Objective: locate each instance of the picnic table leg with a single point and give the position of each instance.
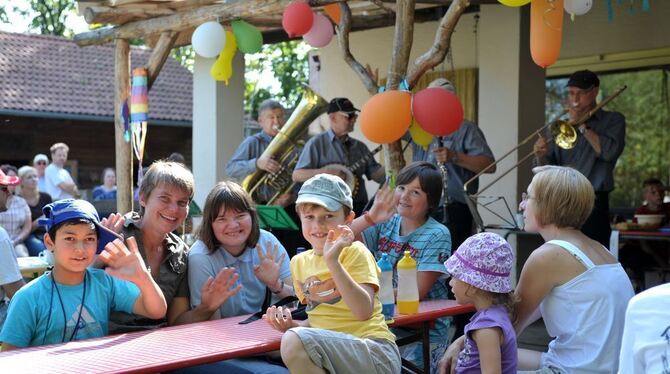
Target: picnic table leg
(425, 333)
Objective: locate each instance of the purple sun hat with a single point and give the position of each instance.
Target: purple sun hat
(485, 261)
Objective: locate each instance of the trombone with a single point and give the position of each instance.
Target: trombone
(564, 134)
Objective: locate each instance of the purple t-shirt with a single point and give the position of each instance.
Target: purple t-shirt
(495, 316)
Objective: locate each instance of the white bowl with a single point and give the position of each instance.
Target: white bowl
(649, 219)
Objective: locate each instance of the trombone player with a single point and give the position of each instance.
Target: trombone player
(599, 144)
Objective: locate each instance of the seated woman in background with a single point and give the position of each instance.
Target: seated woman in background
(107, 190)
(417, 195)
(230, 240)
(571, 281)
(14, 213)
(36, 200)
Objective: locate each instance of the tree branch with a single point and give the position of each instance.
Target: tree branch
(343, 30)
(437, 52)
(159, 55)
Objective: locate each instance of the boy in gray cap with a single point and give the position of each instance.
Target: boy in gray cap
(345, 331)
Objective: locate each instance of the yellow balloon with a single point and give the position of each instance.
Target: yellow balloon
(222, 69)
(514, 2)
(419, 135)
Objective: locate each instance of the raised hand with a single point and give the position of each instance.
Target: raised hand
(279, 318)
(124, 262)
(114, 222)
(384, 206)
(216, 291)
(336, 241)
(267, 271)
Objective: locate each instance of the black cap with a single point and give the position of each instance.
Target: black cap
(584, 79)
(341, 104)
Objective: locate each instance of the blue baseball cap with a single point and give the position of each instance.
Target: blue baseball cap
(70, 209)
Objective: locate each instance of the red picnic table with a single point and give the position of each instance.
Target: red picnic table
(176, 347)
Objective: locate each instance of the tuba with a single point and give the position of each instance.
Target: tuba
(282, 148)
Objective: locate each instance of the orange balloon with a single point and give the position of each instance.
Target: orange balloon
(333, 11)
(546, 27)
(386, 116)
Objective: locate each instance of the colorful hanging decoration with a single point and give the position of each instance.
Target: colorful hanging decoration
(297, 19)
(139, 115)
(249, 38)
(222, 69)
(125, 118)
(546, 29)
(321, 32)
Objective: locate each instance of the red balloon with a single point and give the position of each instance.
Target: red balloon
(298, 19)
(386, 116)
(437, 111)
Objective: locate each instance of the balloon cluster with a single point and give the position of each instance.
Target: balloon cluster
(315, 28)
(546, 25)
(210, 40)
(387, 116)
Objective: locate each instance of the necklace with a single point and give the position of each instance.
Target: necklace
(62, 306)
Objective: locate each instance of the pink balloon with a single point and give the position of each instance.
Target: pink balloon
(321, 32)
(437, 111)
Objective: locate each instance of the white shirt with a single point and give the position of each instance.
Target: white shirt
(9, 268)
(646, 334)
(586, 317)
(54, 176)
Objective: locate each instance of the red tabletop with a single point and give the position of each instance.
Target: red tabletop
(431, 310)
(148, 351)
(175, 347)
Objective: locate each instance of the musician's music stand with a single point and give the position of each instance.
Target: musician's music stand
(275, 217)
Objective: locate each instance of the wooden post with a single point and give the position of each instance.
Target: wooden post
(124, 166)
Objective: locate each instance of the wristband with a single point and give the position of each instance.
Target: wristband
(281, 287)
(454, 158)
(368, 219)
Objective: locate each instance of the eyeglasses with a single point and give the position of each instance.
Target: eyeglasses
(349, 116)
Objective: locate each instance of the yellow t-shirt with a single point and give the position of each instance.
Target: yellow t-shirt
(326, 309)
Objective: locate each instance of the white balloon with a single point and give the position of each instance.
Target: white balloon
(577, 7)
(209, 39)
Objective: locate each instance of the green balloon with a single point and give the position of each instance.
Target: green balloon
(249, 39)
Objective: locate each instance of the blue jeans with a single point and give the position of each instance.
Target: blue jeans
(251, 365)
(34, 244)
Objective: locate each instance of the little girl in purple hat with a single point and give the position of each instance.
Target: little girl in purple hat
(480, 275)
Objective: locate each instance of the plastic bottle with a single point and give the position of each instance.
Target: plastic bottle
(408, 290)
(386, 296)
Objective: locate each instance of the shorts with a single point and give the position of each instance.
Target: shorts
(337, 352)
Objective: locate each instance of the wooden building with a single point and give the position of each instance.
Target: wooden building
(52, 90)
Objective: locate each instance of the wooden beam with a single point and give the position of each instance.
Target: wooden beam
(358, 23)
(160, 53)
(180, 21)
(119, 16)
(124, 166)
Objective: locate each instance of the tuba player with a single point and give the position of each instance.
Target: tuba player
(247, 158)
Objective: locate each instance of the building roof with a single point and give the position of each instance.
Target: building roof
(54, 76)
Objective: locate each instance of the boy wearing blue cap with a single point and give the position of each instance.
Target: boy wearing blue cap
(73, 302)
(338, 280)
